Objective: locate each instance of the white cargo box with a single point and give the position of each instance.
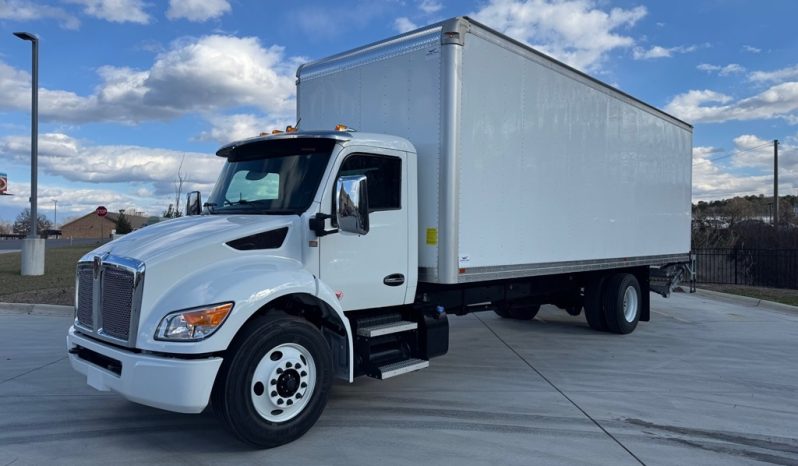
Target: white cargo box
(526, 166)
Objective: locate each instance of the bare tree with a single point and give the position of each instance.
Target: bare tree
(22, 223)
(174, 209)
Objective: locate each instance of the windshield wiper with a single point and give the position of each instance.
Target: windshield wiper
(239, 202)
(281, 212)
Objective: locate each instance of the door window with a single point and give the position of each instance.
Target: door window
(384, 178)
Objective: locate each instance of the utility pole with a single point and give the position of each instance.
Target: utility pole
(55, 214)
(776, 183)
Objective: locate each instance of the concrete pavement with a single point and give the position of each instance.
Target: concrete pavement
(706, 382)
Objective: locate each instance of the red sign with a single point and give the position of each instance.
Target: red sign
(102, 211)
(3, 183)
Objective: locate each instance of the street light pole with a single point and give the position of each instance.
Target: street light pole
(55, 214)
(33, 248)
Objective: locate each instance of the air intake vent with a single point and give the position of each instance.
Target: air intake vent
(266, 240)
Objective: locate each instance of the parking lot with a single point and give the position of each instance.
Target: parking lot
(707, 381)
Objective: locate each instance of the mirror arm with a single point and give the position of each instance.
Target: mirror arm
(316, 224)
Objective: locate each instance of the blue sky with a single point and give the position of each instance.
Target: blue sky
(130, 88)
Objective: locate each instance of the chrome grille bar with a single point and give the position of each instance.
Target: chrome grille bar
(108, 298)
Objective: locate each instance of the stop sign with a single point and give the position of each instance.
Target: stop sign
(102, 211)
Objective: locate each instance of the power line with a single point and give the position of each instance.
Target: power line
(734, 153)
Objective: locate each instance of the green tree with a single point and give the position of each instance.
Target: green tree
(123, 224)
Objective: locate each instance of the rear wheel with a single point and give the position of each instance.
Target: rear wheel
(622, 303)
(274, 381)
(594, 305)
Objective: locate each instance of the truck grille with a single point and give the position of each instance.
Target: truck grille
(85, 300)
(117, 302)
(108, 300)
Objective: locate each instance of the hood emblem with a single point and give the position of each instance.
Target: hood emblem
(97, 265)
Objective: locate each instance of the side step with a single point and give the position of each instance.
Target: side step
(399, 368)
(386, 329)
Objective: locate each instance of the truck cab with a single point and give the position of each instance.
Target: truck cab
(300, 229)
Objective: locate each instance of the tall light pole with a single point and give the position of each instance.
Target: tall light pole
(55, 214)
(33, 248)
(776, 183)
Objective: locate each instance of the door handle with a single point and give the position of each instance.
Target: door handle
(394, 279)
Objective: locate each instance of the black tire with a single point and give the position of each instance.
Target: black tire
(594, 305)
(517, 311)
(622, 318)
(573, 310)
(525, 312)
(232, 396)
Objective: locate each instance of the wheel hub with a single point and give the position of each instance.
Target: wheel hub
(288, 383)
(283, 382)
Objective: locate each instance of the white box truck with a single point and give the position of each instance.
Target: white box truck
(483, 175)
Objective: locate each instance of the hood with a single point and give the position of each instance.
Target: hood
(185, 234)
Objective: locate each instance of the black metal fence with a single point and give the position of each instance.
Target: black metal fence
(775, 268)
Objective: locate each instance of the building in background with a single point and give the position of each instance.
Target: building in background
(93, 226)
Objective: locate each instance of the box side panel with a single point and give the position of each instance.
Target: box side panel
(396, 90)
(553, 170)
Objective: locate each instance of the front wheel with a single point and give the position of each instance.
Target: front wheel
(274, 381)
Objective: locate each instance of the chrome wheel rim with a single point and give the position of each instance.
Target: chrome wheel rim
(630, 304)
(283, 382)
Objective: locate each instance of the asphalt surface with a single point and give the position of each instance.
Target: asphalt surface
(708, 381)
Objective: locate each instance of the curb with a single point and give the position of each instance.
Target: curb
(36, 309)
(753, 302)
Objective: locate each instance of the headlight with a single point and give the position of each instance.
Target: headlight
(193, 324)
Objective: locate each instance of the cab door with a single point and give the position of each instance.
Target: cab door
(369, 270)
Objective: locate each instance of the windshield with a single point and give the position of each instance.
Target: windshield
(270, 177)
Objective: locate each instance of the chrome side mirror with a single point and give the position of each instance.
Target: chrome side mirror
(351, 195)
(193, 203)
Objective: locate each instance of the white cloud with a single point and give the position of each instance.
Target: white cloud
(197, 10)
(116, 11)
(784, 74)
(751, 49)
(727, 70)
(706, 106)
(25, 10)
(745, 170)
(404, 24)
(577, 32)
(230, 128)
(195, 75)
(753, 151)
(62, 155)
(639, 53)
(430, 6)
(75, 202)
(711, 181)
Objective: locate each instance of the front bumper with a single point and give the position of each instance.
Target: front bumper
(173, 384)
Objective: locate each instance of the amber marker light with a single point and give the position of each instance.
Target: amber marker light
(193, 324)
